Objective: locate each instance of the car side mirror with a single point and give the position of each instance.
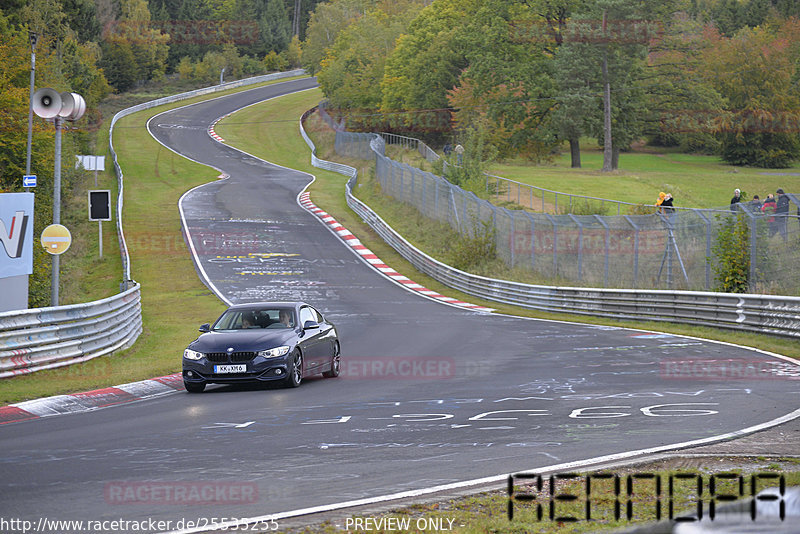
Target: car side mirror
(310, 325)
(205, 328)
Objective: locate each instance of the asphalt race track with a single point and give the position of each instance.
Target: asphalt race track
(433, 395)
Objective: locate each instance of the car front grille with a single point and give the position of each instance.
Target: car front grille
(235, 357)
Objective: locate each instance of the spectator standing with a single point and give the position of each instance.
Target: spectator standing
(667, 204)
(737, 197)
(755, 204)
(667, 208)
(661, 196)
(781, 212)
(768, 209)
(459, 150)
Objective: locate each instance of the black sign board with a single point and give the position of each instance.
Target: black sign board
(100, 205)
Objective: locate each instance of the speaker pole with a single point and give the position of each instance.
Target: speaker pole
(34, 37)
(56, 211)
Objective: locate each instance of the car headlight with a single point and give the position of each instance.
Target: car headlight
(274, 353)
(190, 354)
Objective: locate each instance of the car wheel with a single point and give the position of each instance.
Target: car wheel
(336, 363)
(295, 375)
(194, 387)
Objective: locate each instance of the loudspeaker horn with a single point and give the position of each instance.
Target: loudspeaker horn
(46, 103)
(73, 106)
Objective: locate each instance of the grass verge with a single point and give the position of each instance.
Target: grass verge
(488, 511)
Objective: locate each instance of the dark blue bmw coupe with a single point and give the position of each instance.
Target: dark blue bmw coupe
(262, 342)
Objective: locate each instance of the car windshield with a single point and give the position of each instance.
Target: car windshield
(241, 319)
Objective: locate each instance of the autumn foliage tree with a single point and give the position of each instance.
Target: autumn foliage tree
(756, 71)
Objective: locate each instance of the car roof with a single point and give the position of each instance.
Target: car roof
(276, 304)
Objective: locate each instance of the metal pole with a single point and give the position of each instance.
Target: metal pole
(708, 247)
(580, 245)
(100, 236)
(56, 212)
(33, 37)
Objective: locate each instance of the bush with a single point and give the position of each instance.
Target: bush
(274, 62)
(731, 255)
(470, 252)
(767, 150)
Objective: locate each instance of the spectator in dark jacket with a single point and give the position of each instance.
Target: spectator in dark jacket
(666, 205)
(755, 204)
(781, 212)
(737, 197)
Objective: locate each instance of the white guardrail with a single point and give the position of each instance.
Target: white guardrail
(765, 314)
(46, 338)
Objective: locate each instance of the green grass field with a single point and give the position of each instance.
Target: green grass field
(695, 181)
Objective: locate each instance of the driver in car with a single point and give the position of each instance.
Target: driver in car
(285, 317)
(248, 320)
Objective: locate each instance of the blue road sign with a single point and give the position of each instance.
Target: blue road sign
(29, 180)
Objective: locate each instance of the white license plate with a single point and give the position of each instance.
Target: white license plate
(219, 369)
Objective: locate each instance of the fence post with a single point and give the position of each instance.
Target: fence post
(513, 241)
(533, 241)
(411, 194)
(580, 246)
(635, 251)
(555, 243)
(708, 247)
(436, 198)
(402, 181)
(753, 250)
(605, 277)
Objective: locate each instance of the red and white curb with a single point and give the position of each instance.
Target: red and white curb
(378, 264)
(91, 400)
(211, 130)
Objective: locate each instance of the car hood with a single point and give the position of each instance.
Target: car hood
(242, 340)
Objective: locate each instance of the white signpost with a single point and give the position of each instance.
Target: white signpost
(91, 163)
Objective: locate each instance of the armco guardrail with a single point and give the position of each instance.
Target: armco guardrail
(45, 338)
(764, 314)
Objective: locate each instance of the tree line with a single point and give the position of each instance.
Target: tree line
(710, 76)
